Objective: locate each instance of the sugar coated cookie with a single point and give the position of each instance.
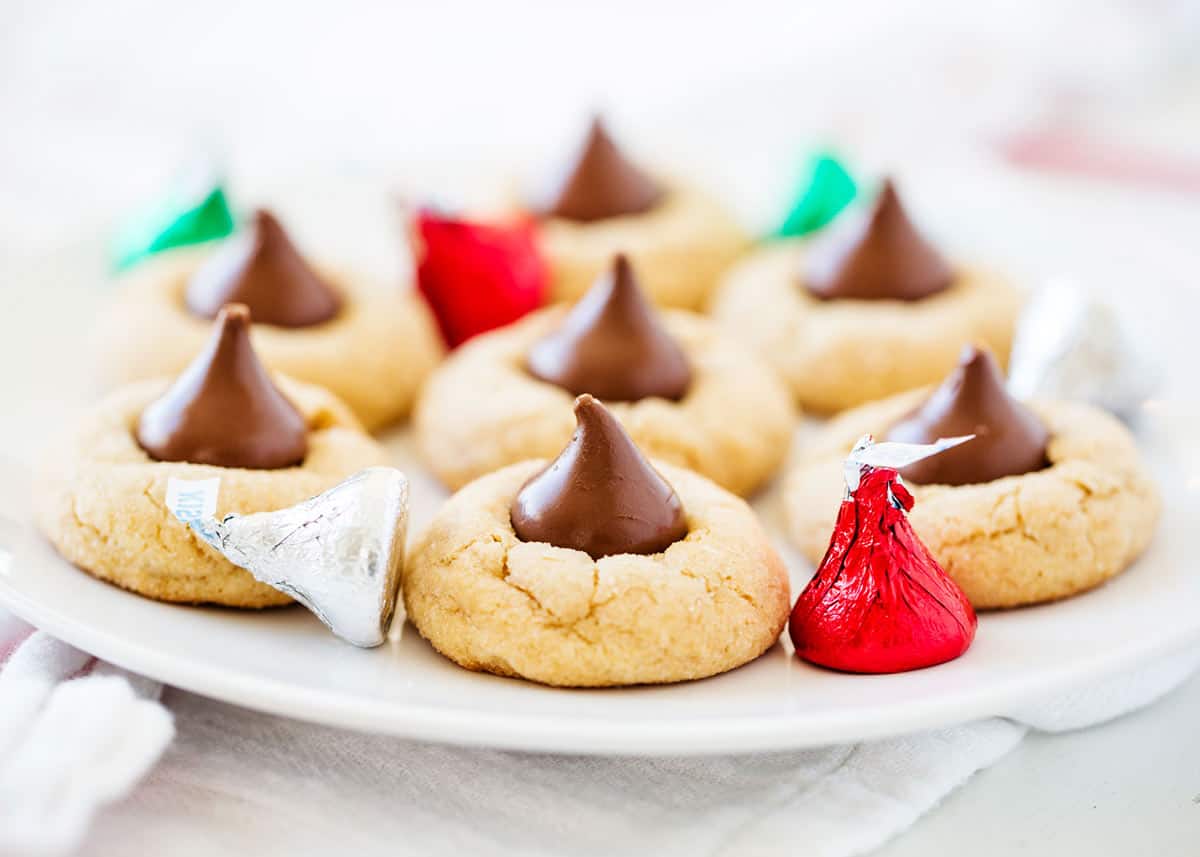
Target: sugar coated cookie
(100, 495)
(686, 586)
(864, 312)
(681, 238)
(685, 393)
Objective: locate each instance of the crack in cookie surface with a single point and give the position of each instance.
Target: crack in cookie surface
(559, 617)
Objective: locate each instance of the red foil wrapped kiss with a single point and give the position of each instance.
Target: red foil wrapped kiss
(880, 602)
(477, 276)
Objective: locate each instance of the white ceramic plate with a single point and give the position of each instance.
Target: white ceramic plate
(285, 662)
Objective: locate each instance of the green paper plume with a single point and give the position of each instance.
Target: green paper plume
(184, 219)
(827, 189)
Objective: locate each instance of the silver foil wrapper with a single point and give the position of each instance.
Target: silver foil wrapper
(340, 554)
(1072, 345)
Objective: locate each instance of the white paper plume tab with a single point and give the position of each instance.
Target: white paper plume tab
(868, 453)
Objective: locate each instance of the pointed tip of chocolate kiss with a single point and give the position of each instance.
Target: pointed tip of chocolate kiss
(600, 496)
(224, 409)
(233, 317)
(622, 290)
(887, 199)
(883, 257)
(622, 274)
(262, 268)
(590, 414)
(612, 345)
(601, 182)
(1009, 438)
(266, 226)
(974, 359)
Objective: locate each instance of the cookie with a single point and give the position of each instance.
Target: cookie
(100, 499)
(483, 410)
(681, 246)
(492, 602)
(836, 354)
(1016, 540)
(373, 354)
(600, 202)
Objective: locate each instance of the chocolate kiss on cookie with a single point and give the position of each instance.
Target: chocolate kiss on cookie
(600, 495)
(612, 346)
(224, 410)
(1009, 438)
(883, 257)
(262, 269)
(601, 183)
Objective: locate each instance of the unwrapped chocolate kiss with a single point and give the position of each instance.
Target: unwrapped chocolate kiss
(878, 256)
(600, 496)
(224, 409)
(1010, 439)
(612, 345)
(601, 183)
(262, 269)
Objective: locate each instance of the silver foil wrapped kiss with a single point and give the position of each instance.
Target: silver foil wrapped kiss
(340, 554)
(1072, 345)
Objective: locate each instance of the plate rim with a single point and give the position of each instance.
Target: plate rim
(583, 735)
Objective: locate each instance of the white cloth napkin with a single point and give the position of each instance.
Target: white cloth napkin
(76, 735)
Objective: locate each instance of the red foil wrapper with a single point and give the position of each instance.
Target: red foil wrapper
(879, 602)
(477, 276)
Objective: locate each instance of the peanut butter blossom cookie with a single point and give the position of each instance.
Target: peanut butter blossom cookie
(686, 394)
(372, 344)
(868, 309)
(597, 569)
(101, 493)
(1049, 499)
(602, 203)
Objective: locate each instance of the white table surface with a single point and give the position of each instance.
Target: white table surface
(86, 133)
(1131, 787)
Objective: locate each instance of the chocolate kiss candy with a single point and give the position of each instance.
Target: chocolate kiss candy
(601, 183)
(612, 346)
(224, 410)
(882, 257)
(600, 495)
(1009, 439)
(1073, 345)
(262, 269)
(879, 602)
(339, 553)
